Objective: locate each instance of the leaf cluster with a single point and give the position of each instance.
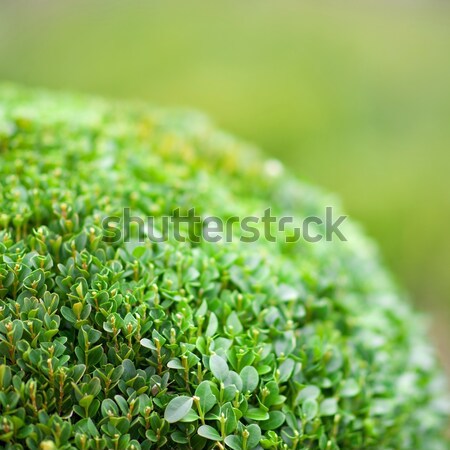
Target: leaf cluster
(144, 345)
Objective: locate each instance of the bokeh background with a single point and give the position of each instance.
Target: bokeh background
(353, 96)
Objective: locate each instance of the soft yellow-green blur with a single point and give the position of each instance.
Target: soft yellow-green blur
(352, 96)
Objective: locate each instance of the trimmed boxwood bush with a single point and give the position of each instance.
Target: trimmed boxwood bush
(138, 344)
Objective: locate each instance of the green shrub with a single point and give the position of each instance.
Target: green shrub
(187, 345)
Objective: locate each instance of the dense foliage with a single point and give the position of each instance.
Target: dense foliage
(194, 345)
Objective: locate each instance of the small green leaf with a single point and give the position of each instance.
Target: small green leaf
(308, 392)
(275, 420)
(328, 407)
(179, 437)
(256, 414)
(310, 409)
(191, 416)
(286, 368)
(5, 376)
(349, 388)
(230, 417)
(123, 405)
(68, 314)
(213, 324)
(86, 401)
(18, 331)
(175, 364)
(207, 398)
(147, 343)
(254, 436)
(234, 325)
(234, 442)
(95, 355)
(219, 367)
(109, 408)
(203, 309)
(209, 432)
(250, 379)
(178, 408)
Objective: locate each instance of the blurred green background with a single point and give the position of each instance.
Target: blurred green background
(354, 97)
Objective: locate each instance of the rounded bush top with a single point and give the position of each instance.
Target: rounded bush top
(116, 336)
